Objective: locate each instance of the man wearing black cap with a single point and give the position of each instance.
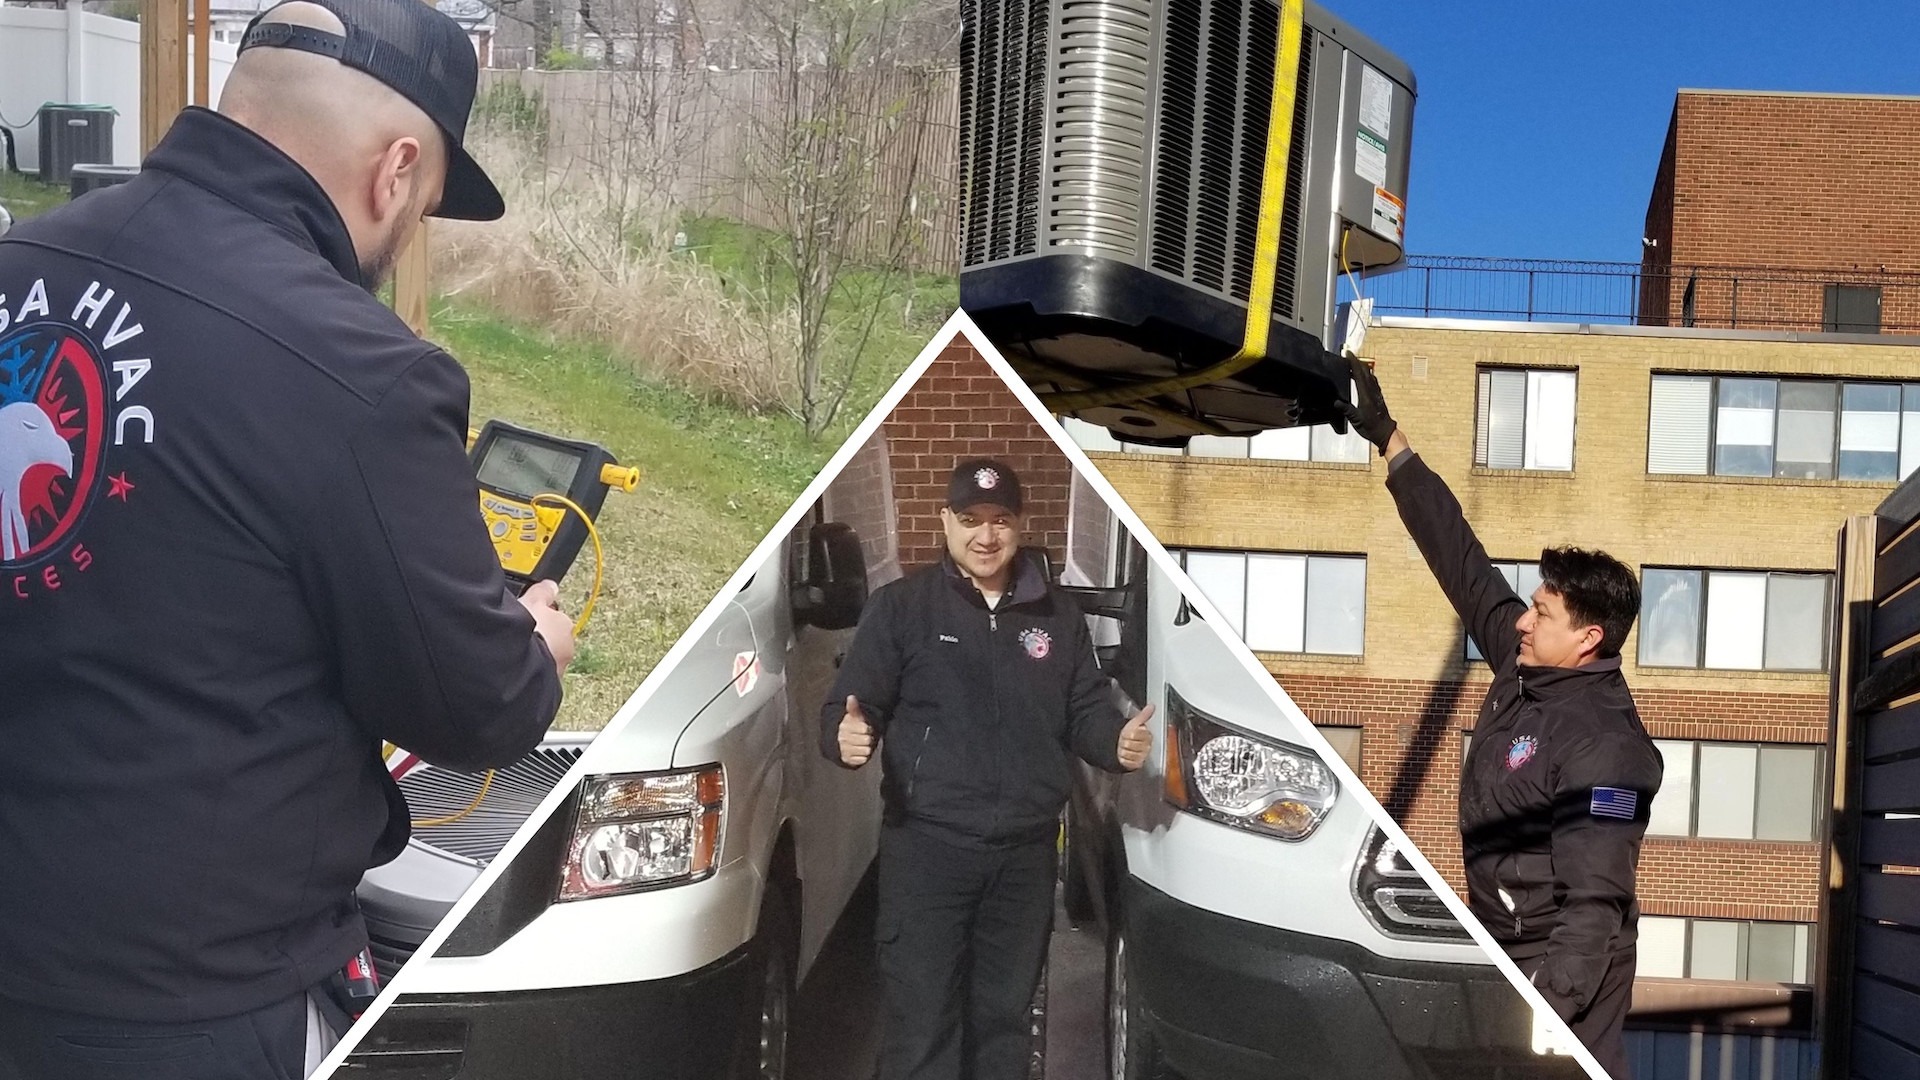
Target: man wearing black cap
(240, 545)
(976, 678)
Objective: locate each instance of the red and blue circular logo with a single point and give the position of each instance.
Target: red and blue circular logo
(1037, 643)
(1521, 751)
(53, 428)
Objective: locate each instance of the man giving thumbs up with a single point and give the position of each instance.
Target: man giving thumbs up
(976, 681)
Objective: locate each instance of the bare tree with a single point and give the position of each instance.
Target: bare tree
(843, 113)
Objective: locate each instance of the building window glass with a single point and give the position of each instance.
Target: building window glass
(1803, 429)
(1283, 602)
(1733, 619)
(1740, 951)
(1346, 742)
(1317, 443)
(1524, 419)
(1737, 791)
(1523, 578)
(1852, 309)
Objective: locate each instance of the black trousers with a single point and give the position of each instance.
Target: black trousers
(1601, 1026)
(43, 1044)
(963, 937)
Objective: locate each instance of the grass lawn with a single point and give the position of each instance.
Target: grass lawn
(714, 481)
(24, 196)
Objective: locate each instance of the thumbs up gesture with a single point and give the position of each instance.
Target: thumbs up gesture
(856, 735)
(1135, 740)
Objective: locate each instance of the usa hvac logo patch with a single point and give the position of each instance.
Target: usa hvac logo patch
(1522, 751)
(987, 479)
(1037, 643)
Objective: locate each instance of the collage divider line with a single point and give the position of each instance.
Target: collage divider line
(623, 716)
(1156, 551)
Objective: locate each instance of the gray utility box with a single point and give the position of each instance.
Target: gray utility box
(71, 135)
(1113, 171)
(86, 177)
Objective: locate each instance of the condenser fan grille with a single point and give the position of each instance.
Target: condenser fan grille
(1217, 65)
(514, 793)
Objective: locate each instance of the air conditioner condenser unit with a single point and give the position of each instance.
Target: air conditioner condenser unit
(1156, 199)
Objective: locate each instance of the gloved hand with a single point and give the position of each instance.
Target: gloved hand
(1368, 413)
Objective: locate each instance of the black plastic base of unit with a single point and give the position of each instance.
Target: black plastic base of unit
(1111, 321)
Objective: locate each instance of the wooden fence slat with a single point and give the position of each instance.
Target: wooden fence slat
(1895, 731)
(1888, 680)
(1888, 950)
(1876, 1057)
(1891, 786)
(1891, 898)
(1899, 618)
(1890, 841)
(1895, 565)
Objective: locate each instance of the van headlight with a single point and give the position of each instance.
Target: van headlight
(636, 831)
(1225, 774)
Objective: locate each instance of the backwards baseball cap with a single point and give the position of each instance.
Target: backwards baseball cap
(422, 55)
(983, 480)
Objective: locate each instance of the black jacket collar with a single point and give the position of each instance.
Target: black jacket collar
(1028, 583)
(230, 160)
(1541, 683)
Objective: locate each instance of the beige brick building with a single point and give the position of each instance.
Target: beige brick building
(1730, 885)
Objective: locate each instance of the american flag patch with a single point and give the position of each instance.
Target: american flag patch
(1614, 802)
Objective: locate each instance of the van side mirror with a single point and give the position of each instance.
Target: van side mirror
(835, 590)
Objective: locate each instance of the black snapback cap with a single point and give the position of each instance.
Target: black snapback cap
(424, 56)
(978, 481)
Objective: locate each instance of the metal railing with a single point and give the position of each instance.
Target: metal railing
(1719, 297)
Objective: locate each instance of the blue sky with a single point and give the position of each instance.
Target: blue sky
(1538, 125)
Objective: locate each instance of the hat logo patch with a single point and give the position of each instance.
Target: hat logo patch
(987, 479)
(1037, 643)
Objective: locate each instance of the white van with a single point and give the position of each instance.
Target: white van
(658, 923)
(1258, 925)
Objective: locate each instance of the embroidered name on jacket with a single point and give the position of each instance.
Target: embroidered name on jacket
(63, 380)
(1037, 643)
(949, 639)
(1614, 802)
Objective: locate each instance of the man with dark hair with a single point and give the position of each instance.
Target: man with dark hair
(1556, 789)
(975, 681)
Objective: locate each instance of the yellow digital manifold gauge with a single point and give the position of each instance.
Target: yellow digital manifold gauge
(539, 494)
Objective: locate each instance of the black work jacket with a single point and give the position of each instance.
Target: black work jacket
(1559, 779)
(252, 550)
(979, 711)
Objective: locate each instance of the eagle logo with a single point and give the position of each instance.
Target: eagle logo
(53, 424)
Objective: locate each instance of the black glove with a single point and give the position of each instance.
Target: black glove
(1368, 413)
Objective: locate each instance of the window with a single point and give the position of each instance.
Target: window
(1346, 743)
(1286, 603)
(1317, 443)
(1523, 577)
(1735, 619)
(1737, 791)
(1524, 420)
(1852, 309)
(1681, 948)
(1805, 429)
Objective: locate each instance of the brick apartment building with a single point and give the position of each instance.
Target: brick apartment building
(1786, 211)
(1717, 462)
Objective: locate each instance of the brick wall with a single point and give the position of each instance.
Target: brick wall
(1810, 181)
(961, 409)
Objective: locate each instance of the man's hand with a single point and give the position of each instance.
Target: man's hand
(856, 735)
(1368, 413)
(1136, 741)
(542, 598)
